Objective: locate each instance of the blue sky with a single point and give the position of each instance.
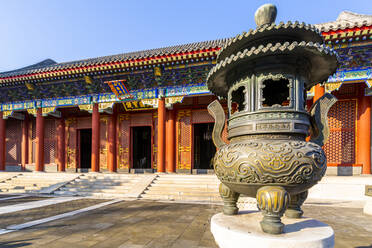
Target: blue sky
(66, 30)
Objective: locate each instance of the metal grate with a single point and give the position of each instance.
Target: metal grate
(340, 148)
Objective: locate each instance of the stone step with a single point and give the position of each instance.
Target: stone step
(184, 186)
(103, 195)
(111, 191)
(98, 186)
(84, 180)
(64, 193)
(182, 189)
(123, 176)
(191, 193)
(15, 191)
(182, 198)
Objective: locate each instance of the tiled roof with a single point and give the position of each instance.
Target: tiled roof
(158, 52)
(43, 70)
(346, 19)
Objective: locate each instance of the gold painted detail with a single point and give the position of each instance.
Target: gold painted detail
(70, 121)
(183, 113)
(123, 162)
(329, 87)
(88, 79)
(104, 119)
(71, 158)
(123, 117)
(105, 105)
(86, 107)
(144, 104)
(48, 110)
(184, 148)
(169, 101)
(29, 86)
(32, 111)
(184, 166)
(6, 114)
(154, 103)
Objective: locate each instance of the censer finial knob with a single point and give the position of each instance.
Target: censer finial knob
(265, 14)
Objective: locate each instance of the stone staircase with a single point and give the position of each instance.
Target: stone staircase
(178, 187)
(29, 182)
(107, 185)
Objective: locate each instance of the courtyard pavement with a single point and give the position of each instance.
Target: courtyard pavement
(139, 224)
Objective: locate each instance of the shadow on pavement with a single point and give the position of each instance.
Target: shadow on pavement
(15, 244)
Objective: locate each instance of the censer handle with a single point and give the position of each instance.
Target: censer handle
(215, 109)
(319, 130)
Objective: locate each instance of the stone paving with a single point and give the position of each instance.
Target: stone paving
(145, 224)
(21, 200)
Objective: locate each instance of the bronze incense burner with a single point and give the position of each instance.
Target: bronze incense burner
(265, 74)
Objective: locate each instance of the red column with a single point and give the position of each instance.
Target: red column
(364, 133)
(39, 151)
(24, 143)
(2, 142)
(318, 92)
(170, 142)
(61, 144)
(111, 139)
(161, 135)
(95, 138)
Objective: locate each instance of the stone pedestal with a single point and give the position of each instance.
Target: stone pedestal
(243, 230)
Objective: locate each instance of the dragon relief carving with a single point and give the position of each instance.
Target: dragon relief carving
(260, 161)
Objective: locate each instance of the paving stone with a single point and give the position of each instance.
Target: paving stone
(20, 217)
(149, 224)
(21, 200)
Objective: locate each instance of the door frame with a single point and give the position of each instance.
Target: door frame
(78, 149)
(131, 150)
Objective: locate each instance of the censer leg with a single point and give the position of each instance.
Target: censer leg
(294, 209)
(229, 198)
(272, 201)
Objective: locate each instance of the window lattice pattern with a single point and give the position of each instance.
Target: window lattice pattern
(184, 146)
(13, 141)
(155, 146)
(340, 147)
(103, 142)
(124, 141)
(50, 141)
(33, 138)
(201, 116)
(141, 119)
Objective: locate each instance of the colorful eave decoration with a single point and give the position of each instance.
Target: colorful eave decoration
(348, 35)
(119, 89)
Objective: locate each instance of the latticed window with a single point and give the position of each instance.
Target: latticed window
(50, 141)
(340, 147)
(13, 142)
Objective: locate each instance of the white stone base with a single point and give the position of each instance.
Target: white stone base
(244, 230)
(368, 206)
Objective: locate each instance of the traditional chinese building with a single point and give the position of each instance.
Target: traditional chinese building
(147, 110)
